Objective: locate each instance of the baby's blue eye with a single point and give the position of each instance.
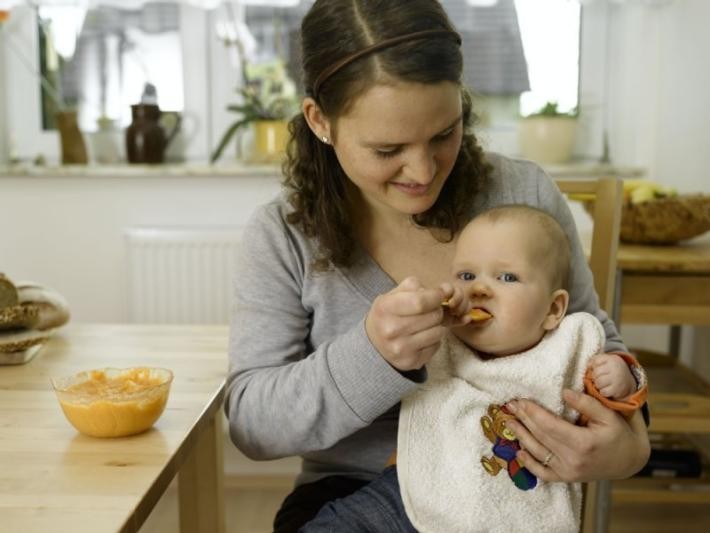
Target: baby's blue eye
(466, 276)
(508, 277)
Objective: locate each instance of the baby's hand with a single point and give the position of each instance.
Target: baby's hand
(456, 305)
(612, 376)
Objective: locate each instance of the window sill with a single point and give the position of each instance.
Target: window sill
(233, 170)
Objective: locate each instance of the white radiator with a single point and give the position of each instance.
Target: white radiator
(179, 275)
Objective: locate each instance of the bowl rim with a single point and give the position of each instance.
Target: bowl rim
(60, 384)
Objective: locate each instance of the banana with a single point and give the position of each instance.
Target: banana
(638, 191)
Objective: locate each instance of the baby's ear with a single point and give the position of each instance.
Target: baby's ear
(558, 308)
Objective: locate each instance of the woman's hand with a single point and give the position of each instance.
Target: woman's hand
(405, 324)
(456, 305)
(609, 447)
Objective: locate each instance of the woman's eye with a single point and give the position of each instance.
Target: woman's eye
(466, 276)
(387, 153)
(508, 277)
(443, 136)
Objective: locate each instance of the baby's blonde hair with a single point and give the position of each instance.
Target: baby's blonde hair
(553, 250)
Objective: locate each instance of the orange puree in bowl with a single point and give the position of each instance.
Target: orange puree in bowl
(115, 403)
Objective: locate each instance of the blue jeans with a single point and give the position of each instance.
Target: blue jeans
(377, 507)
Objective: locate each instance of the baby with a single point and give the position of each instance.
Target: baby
(457, 468)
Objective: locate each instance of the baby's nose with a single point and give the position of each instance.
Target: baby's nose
(480, 289)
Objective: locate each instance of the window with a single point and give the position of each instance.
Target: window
(115, 52)
(519, 54)
(117, 57)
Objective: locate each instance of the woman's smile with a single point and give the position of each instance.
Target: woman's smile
(413, 189)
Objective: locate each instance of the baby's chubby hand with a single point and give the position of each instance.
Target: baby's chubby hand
(456, 305)
(612, 376)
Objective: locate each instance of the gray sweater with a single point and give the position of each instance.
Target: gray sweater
(304, 378)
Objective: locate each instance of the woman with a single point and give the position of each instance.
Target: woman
(336, 309)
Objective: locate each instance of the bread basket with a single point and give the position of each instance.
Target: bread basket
(665, 220)
(662, 220)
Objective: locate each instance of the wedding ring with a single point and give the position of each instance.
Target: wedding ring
(548, 458)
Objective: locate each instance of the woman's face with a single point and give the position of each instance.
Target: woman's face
(398, 144)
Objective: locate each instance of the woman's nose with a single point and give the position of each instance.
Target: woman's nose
(421, 166)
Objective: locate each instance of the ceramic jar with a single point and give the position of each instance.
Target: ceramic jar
(72, 142)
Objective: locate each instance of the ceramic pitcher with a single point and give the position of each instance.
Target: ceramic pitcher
(146, 140)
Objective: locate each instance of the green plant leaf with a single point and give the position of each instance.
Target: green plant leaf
(227, 137)
(550, 109)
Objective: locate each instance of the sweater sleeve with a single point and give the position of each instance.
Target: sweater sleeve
(285, 397)
(583, 297)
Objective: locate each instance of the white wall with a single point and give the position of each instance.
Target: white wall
(67, 233)
(660, 73)
(3, 113)
(658, 116)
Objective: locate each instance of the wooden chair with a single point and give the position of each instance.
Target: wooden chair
(607, 194)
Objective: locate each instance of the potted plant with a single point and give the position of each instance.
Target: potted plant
(548, 135)
(268, 100)
(73, 147)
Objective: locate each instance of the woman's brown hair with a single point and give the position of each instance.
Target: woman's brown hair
(333, 30)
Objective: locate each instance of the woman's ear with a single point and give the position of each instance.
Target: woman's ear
(316, 120)
(558, 308)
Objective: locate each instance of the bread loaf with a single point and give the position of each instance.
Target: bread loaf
(8, 292)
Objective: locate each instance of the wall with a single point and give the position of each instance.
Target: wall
(658, 116)
(67, 232)
(3, 113)
(659, 79)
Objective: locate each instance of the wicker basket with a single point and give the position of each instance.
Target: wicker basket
(664, 220)
(19, 316)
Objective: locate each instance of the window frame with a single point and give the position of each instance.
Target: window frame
(593, 95)
(23, 93)
(210, 87)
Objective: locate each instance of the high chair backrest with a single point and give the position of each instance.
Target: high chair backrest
(606, 194)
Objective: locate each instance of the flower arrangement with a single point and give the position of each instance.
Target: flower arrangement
(267, 94)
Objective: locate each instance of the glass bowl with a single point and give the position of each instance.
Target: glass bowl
(113, 402)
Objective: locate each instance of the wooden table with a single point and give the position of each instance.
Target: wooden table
(665, 284)
(53, 479)
(669, 285)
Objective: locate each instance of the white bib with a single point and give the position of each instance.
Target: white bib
(441, 441)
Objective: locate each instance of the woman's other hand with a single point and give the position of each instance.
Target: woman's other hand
(405, 324)
(609, 447)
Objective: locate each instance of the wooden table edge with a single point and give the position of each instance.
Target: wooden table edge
(173, 467)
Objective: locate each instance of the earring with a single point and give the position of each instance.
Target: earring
(325, 139)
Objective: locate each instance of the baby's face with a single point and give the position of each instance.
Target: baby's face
(495, 266)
